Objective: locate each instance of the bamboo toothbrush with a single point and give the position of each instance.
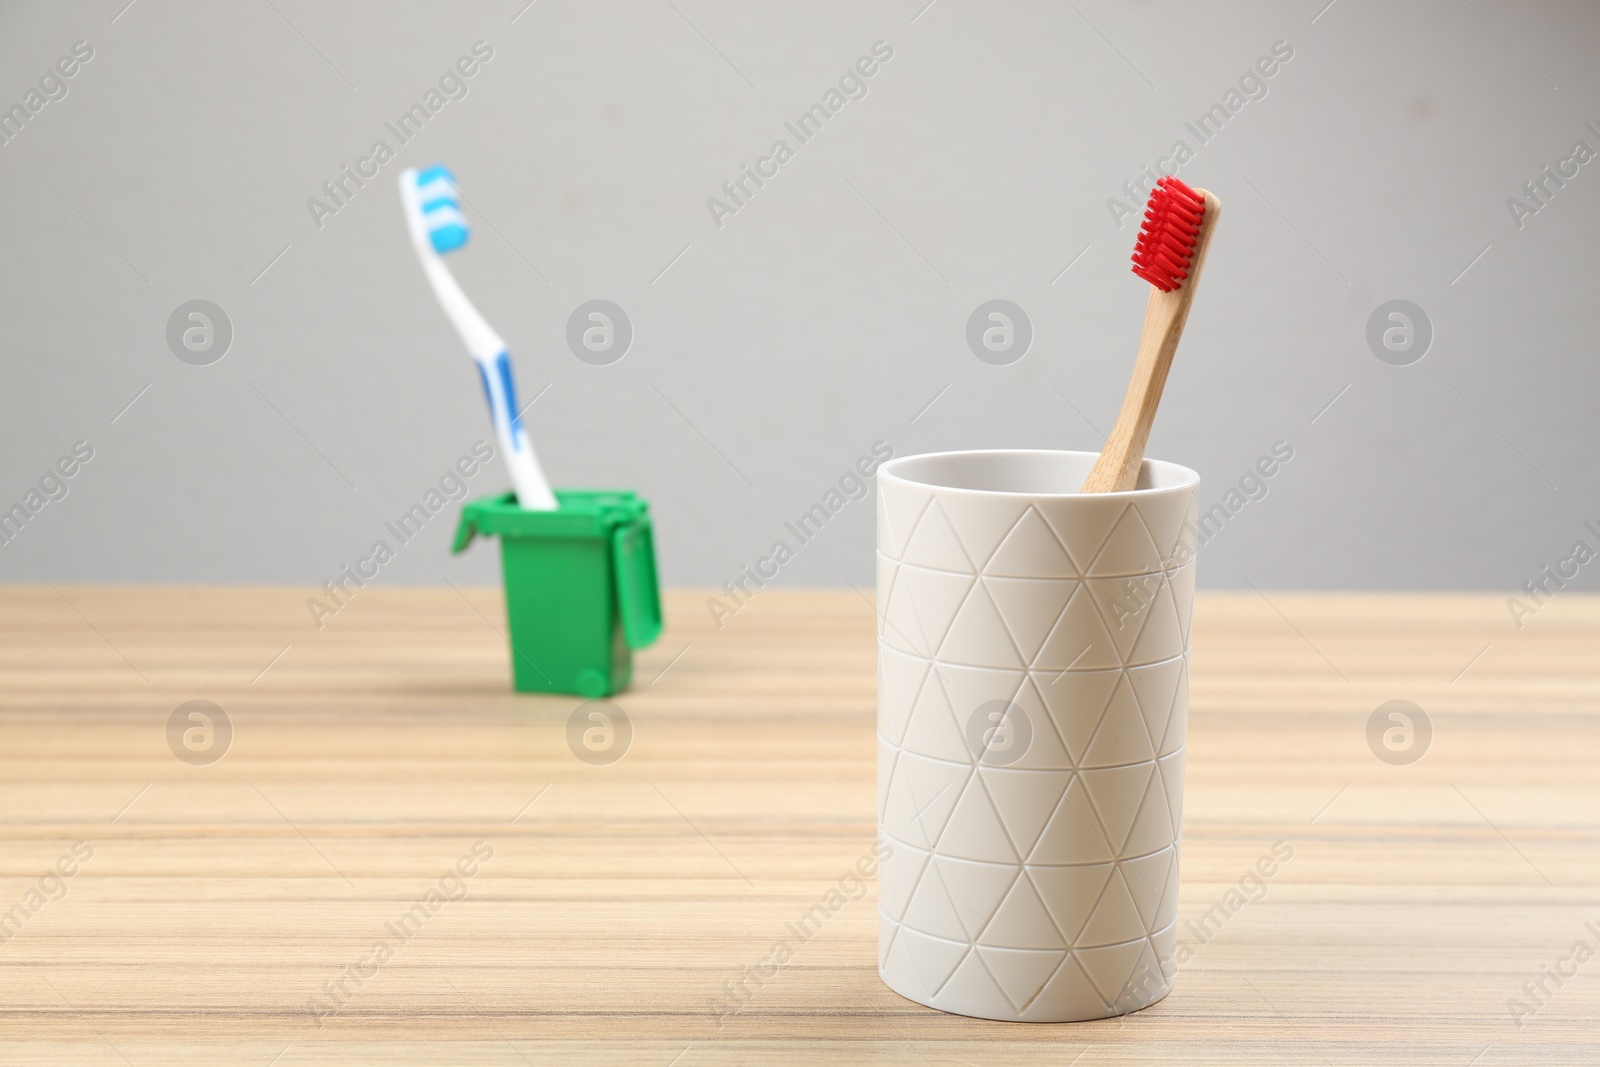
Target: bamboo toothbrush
(1171, 249)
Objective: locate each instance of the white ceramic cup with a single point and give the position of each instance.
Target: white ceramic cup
(1033, 649)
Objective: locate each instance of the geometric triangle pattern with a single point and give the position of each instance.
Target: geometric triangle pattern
(1129, 549)
(1023, 800)
(1029, 608)
(1080, 639)
(1035, 879)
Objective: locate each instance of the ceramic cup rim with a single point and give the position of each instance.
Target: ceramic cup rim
(1188, 479)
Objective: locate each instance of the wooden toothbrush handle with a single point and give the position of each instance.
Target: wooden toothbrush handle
(1117, 469)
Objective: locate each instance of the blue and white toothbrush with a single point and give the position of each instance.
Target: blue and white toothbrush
(433, 216)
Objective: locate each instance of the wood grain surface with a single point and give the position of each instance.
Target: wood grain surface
(273, 906)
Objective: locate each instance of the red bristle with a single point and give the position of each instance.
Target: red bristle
(1165, 246)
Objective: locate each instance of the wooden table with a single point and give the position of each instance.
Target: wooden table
(223, 902)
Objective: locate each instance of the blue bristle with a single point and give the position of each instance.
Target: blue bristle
(448, 238)
(441, 209)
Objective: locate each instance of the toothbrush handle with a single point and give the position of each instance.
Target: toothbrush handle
(527, 479)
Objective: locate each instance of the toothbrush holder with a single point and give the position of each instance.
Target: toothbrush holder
(581, 589)
(1033, 653)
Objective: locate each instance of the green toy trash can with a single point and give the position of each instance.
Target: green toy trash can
(581, 587)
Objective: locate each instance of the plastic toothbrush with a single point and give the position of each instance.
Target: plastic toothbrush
(433, 216)
(1171, 249)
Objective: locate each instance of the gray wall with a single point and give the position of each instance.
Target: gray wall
(832, 308)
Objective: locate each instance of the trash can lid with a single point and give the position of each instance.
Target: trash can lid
(616, 515)
(582, 513)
